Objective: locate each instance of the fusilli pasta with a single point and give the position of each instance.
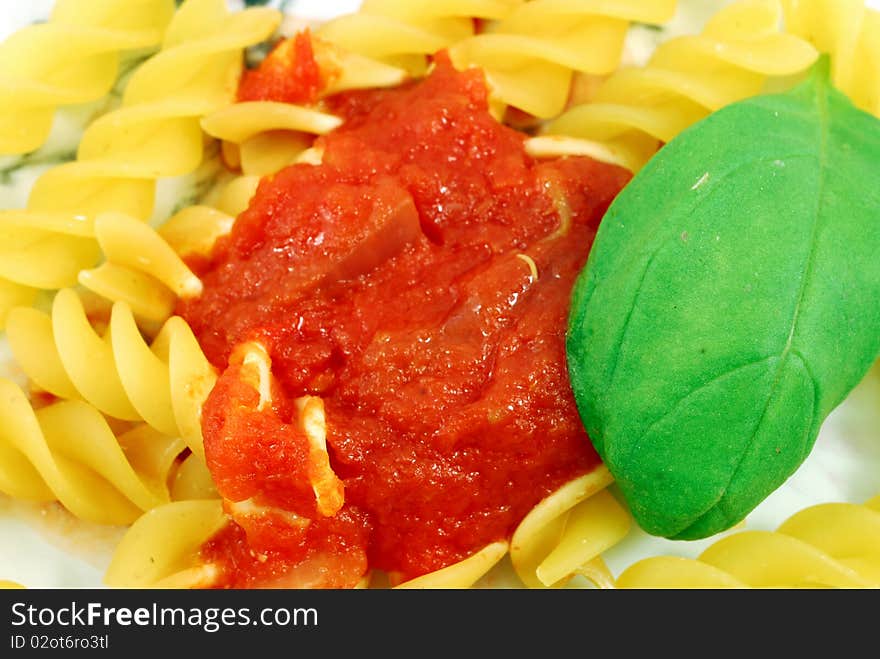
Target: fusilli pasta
(43, 458)
(833, 545)
(530, 56)
(403, 33)
(139, 269)
(161, 548)
(266, 134)
(37, 77)
(567, 532)
(850, 32)
(686, 79)
(162, 384)
(156, 133)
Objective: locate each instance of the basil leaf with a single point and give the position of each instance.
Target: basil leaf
(731, 300)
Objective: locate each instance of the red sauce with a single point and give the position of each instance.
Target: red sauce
(389, 282)
(289, 74)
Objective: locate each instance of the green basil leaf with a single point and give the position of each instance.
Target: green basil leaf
(730, 302)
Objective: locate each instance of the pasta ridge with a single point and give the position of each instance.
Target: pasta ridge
(107, 480)
(262, 137)
(404, 33)
(548, 549)
(177, 564)
(160, 550)
(162, 383)
(834, 545)
(530, 56)
(638, 108)
(850, 32)
(151, 282)
(565, 534)
(156, 133)
(150, 278)
(37, 77)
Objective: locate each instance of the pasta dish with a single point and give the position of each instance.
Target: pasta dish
(432, 290)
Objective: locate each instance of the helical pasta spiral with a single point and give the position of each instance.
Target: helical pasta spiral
(686, 79)
(67, 451)
(403, 33)
(161, 549)
(162, 384)
(145, 268)
(139, 268)
(565, 535)
(562, 538)
(850, 32)
(194, 230)
(530, 56)
(261, 137)
(72, 58)
(156, 133)
(831, 545)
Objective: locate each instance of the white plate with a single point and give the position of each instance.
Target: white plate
(42, 546)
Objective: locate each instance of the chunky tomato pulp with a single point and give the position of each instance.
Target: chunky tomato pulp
(418, 282)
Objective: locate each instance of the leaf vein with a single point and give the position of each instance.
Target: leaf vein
(824, 125)
(714, 184)
(696, 390)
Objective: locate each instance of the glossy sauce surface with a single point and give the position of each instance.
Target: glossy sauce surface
(418, 282)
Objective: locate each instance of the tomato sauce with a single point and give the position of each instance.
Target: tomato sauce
(289, 74)
(418, 282)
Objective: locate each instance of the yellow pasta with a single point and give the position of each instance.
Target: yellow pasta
(123, 445)
(567, 532)
(156, 133)
(232, 198)
(463, 574)
(353, 52)
(268, 135)
(687, 78)
(242, 121)
(195, 229)
(163, 384)
(37, 76)
(191, 479)
(832, 545)
(151, 279)
(43, 458)
(140, 269)
(850, 32)
(161, 548)
(403, 33)
(561, 539)
(530, 56)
